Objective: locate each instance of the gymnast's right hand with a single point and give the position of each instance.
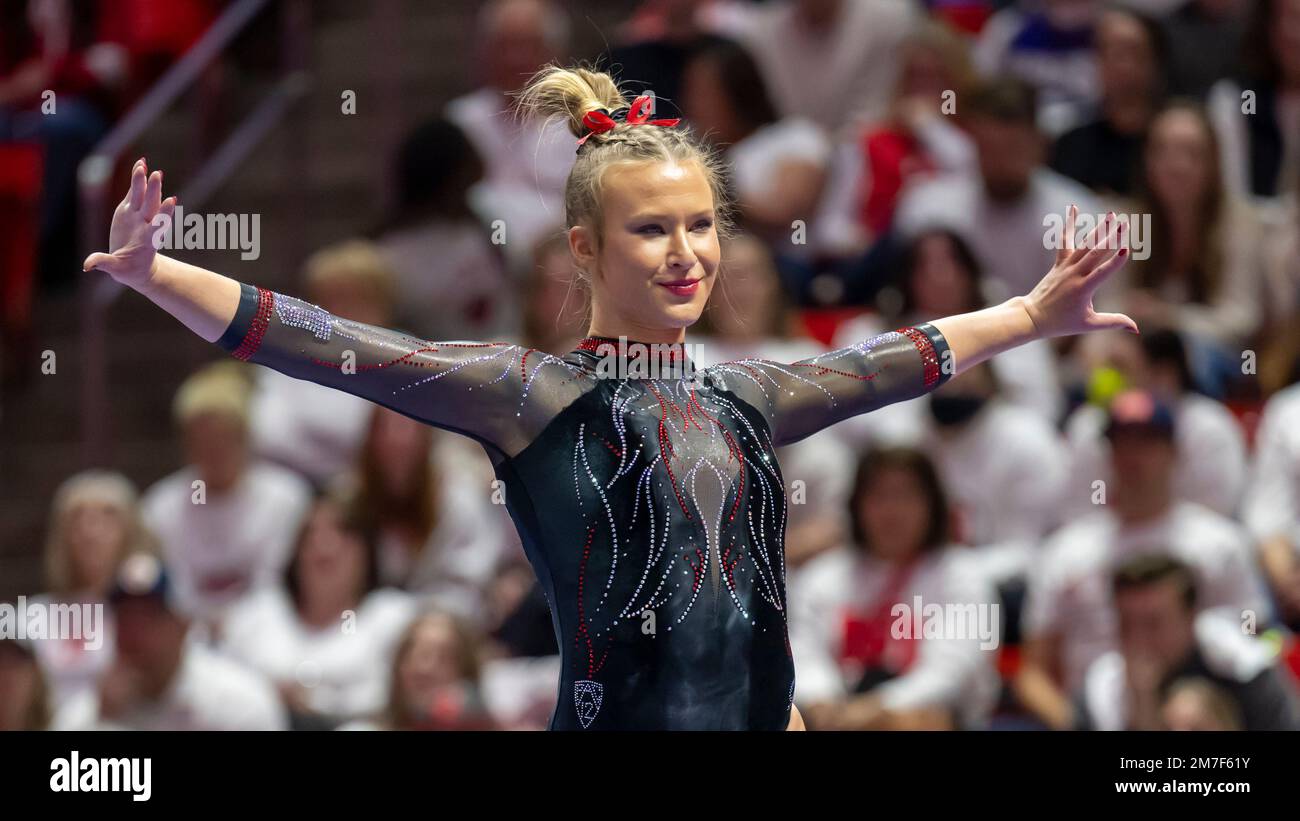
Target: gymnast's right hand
(136, 221)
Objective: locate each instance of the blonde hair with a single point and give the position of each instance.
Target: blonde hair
(223, 387)
(570, 94)
(353, 261)
(88, 487)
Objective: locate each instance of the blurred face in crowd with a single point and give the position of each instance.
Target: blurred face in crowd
(1143, 462)
(515, 45)
(19, 680)
(96, 537)
(1009, 151)
(216, 444)
(1155, 624)
(895, 514)
(331, 558)
(352, 298)
(1192, 707)
(1284, 37)
(431, 662)
(1126, 60)
(654, 269)
(401, 447)
(749, 301)
(706, 102)
(924, 73)
(941, 284)
(819, 13)
(1178, 159)
(149, 636)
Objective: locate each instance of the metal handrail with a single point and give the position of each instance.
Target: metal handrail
(97, 292)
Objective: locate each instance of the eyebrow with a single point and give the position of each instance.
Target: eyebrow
(665, 217)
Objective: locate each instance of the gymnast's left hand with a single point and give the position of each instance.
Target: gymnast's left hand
(1061, 304)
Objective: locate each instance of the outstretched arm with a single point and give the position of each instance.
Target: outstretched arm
(478, 389)
(801, 398)
(1060, 305)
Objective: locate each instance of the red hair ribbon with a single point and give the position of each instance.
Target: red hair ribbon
(599, 122)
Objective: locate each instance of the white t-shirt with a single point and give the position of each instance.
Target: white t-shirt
(1271, 504)
(1211, 466)
(953, 671)
(526, 165)
(1226, 649)
(755, 159)
(306, 427)
(209, 692)
(344, 668)
(232, 543)
(1070, 585)
(835, 78)
(450, 283)
(70, 667)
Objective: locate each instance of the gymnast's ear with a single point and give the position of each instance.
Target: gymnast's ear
(582, 243)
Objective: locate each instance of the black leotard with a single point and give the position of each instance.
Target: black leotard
(652, 509)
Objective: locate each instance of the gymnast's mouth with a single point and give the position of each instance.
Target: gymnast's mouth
(682, 287)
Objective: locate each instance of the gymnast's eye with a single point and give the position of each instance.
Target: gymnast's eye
(650, 229)
(704, 225)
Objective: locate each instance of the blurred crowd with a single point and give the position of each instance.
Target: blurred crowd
(1126, 508)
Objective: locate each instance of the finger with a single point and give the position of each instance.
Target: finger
(1063, 253)
(136, 197)
(104, 262)
(1105, 249)
(1121, 321)
(168, 208)
(153, 194)
(1090, 241)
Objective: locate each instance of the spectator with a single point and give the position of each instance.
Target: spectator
(656, 43)
(1204, 273)
(856, 669)
(1003, 205)
(778, 165)
(526, 162)
(1257, 116)
(1105, 153)
(1210, 467)
(226, 520)
(1175, 669)
(979, 442)
(326, 637)
(25, 702)
(834, 62)
(435, 681)
(429, 501)
(309, 429)
(1069, 619)
(1205, 44)
(1048, 45)
(916, 140)
(451, 276)
(165, 679)
(1271, 504)
(94, 525)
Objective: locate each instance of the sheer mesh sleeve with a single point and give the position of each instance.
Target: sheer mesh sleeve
(497, 393)
(801, 398)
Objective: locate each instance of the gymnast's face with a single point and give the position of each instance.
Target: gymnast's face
(655, 268)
